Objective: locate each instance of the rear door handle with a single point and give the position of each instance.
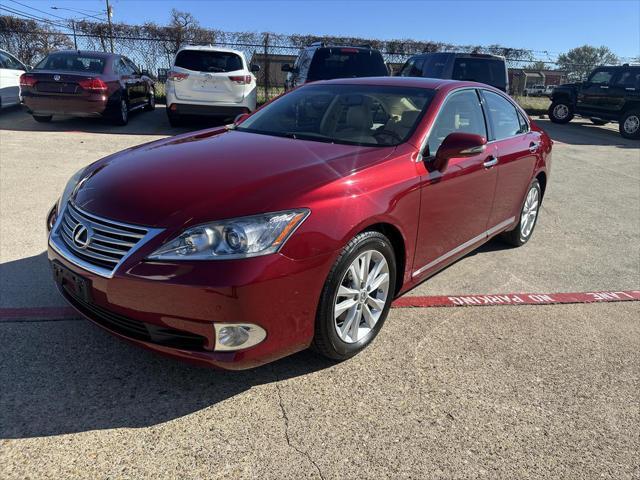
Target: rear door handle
(604, 86)
(533, 147)
(490, 162)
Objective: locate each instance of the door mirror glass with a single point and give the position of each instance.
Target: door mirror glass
(458, 145)
(286, 68)
(255, 68)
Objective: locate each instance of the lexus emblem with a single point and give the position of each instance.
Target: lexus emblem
(56, 78)
(82, 236)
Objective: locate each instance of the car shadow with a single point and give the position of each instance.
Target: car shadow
(583, 132)
(140, 123)
(68, 376)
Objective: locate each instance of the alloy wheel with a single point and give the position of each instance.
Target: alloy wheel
(362, 296)
(561, 111)
(529, 212)
(631, 124)
(124, 111)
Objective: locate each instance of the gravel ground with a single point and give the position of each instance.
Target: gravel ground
(490, 392)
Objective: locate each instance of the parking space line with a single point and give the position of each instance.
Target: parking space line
(38, 314)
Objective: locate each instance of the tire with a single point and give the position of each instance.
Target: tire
(560, 111)
(121, 116)
(151, 101)
(42, 118)
(597, 121)
(630, 125)
(368, 308)
(175, 120)
(524, 230)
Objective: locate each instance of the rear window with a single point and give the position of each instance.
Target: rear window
(72, 62)
(330, 63)
(208, 61)
(483, 70)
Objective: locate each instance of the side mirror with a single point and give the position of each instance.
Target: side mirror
(458, 145)
(240, 118)
(286, 68)
(255, 68)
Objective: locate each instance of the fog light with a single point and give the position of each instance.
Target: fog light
(237, 336)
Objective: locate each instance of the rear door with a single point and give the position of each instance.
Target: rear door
(624, 88)
(592, 95)
(138, 85)
(213, 76)
(456, 204)
(517, 148)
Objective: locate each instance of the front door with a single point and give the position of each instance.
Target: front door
(592, 94)
(455, 204)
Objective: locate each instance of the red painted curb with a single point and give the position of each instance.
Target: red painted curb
(66, 313)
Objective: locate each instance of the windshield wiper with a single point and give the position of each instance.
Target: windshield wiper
(308, 136)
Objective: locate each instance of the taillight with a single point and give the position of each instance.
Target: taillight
(241, 79)
(93, 85)
(176, 76)
(27, 80)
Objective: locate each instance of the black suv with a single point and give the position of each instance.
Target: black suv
(477, 67)
(321, 62)
(609, 94)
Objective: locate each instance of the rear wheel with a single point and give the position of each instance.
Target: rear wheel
(356, 297)
(151, 101)
(597, 121)
(122, 115)
(42, 118)
(528, 217)
(630, 125)
(560, 112)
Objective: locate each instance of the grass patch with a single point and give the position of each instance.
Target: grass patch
(534, 105)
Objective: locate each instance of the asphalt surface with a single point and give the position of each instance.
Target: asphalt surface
(474, 392)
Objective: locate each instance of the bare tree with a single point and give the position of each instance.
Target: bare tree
(28, 40)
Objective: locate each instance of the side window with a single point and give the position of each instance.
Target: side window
(304, 62)
(122, 68)
(502, 115)
(601, 77)
(132, 66)
(413, 67)
(3, 60)
(11, 63)
(629, 79)
(461, 112)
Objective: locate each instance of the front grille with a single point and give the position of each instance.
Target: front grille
(108, 243)
(136, 329)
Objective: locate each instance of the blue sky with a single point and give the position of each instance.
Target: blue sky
(553, 26)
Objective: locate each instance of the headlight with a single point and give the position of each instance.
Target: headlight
(236, 238)
(69, 188)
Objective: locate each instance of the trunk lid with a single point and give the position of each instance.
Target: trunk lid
(59, 83)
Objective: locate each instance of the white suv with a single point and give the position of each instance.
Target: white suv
(212, 81)
(10, 70)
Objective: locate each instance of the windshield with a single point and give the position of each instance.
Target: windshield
(338, 62)
(208, 61)
(348, 114)
(72, 62)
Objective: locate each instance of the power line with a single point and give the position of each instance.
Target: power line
(28, 16)
(38, 10)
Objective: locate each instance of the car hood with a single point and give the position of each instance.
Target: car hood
(214, 174)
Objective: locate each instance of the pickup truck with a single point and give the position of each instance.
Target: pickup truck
(610, 94)
(535, 91)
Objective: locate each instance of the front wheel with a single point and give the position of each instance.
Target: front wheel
(560, 112)
(356, 297)
(630, 125)
(528, 217)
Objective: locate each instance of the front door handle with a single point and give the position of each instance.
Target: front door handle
(604, 86)
(533, 147)
(490, 162)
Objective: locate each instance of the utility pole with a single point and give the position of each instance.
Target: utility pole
(109, 14)
(75, 41)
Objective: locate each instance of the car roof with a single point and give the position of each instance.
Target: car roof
(416, 82)
(463, 55)
(210, 48)
(86, 52)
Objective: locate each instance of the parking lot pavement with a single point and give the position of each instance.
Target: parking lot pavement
(508, 392)
(513, 392)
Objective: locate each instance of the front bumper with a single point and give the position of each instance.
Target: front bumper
(170, 308)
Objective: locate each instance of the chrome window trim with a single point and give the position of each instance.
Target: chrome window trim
(465, 245)
(57, 244)
(423, 144)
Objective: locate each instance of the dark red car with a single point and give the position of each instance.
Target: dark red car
(86, 84)
(298, 226)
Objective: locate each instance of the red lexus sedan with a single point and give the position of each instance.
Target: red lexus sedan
(298, 225)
